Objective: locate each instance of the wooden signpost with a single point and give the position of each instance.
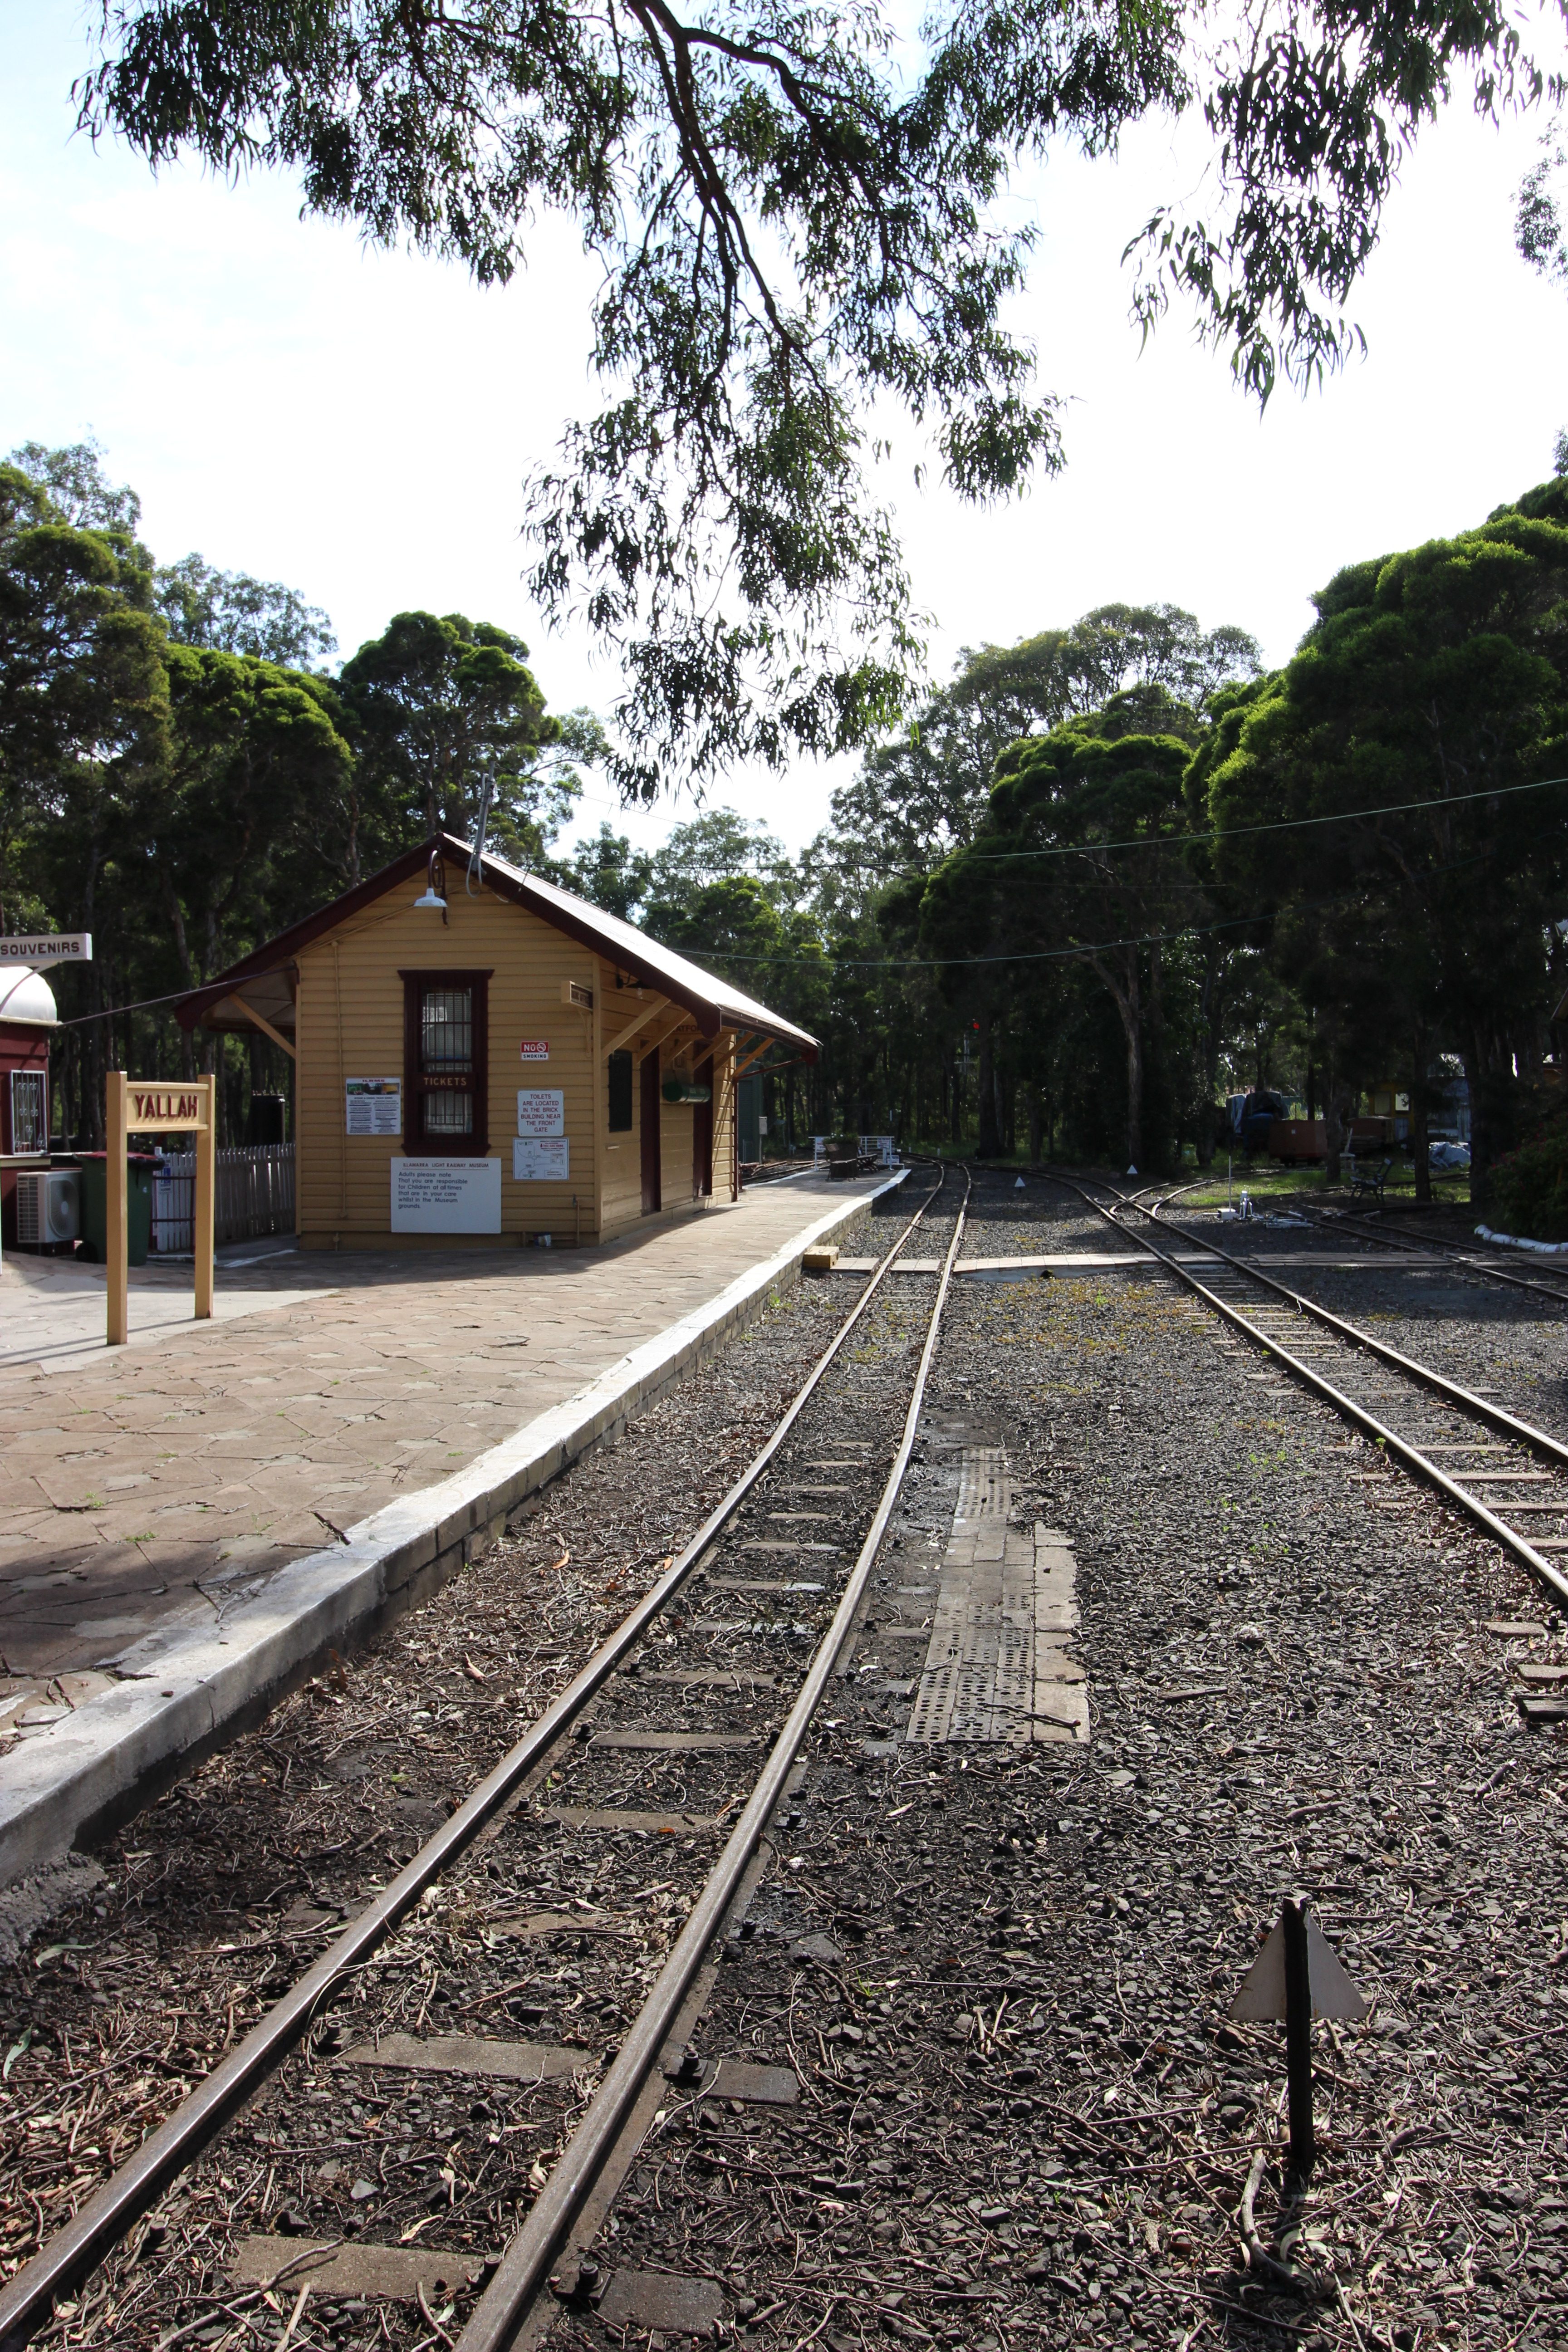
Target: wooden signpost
(132, 1107)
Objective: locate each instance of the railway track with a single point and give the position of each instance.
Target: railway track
(1417, 1244)
(1511, 1482)
(1421, 1245)
(681, 1732)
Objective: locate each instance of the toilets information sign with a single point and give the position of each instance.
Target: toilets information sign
(542, 1111)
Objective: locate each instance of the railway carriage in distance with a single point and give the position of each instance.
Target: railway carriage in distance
(482, 1057)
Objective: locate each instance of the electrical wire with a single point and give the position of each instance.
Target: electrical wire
(1242, 831)
(1077, 954)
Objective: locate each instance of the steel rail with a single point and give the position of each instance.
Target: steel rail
(525, 2267)
(74, 2251)
(1506, 1423)
(1410, 1455)
(1347, 1219)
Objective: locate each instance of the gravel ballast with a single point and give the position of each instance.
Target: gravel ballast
(1001, 1976)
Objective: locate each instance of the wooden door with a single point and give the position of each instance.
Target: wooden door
(652, 1113)
(702, 1134)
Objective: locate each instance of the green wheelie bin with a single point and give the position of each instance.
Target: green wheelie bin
(94, 1172)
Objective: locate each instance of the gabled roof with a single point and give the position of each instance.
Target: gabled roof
(261, 983)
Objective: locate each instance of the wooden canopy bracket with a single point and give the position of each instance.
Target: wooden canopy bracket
(700, 1047)
(651, 1044)
(623, 1037)
(265, 1026)
(754, 1056)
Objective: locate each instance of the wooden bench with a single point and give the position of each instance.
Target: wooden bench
(1367, 1185)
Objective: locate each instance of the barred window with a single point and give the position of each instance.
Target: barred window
(29, 1112)
(446, 1057)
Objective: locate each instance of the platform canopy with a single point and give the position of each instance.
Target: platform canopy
(258, 994)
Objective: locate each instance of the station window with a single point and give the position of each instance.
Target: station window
(446, 1055)
(620, 1070)
(29, 1125)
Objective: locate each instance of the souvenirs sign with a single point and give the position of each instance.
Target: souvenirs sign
(37, 948)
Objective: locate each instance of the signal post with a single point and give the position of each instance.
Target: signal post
(132, 1107)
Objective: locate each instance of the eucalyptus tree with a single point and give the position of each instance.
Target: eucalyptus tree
(1407, 770)
(796, 213)
(235, 613)
(446, 712)
(84, 705)
(256, 775)
(1082, 862)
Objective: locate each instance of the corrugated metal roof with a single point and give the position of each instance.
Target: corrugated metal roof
(623, 943)
(222, 1002)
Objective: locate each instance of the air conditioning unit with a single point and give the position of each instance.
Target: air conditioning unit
(48, 1207)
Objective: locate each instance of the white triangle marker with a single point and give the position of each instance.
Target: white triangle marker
(1262, 1994)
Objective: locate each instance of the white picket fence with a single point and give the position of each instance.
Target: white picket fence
(255, 1188)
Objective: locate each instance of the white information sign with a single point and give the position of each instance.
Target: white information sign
(540, 1158)
(373, 1105)
(445, 1196)
(46, 947)
(540, 1110)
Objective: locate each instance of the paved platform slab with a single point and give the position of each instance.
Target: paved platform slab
(53, 1311)
(191, 1519)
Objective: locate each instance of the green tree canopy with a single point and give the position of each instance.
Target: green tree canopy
(1079, 861)
(84, 705)
(256, 770)
(1438, 679)
(1122, 669)
(797, 213)
(232, 613)
(79, 491)
(447, 710)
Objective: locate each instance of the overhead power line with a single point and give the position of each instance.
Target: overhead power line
(1275, 825)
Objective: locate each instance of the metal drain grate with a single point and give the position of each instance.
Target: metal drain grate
(996, 1667)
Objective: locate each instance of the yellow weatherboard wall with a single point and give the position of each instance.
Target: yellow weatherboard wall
(350, 1025)
(349, 1014)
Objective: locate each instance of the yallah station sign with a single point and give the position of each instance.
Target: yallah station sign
(142, 1106)
(166, 1110)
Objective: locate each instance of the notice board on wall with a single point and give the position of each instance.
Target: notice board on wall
(445, 1196)
(542, 1111)
(540, 1158)
(373, 1105)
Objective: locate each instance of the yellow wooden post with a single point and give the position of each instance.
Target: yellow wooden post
(116, 1243)
(202, 1235)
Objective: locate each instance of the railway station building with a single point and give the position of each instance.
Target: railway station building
(481, 1058)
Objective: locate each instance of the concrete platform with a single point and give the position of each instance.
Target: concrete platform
(192, 1520)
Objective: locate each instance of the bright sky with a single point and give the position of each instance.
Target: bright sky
(358, 424)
